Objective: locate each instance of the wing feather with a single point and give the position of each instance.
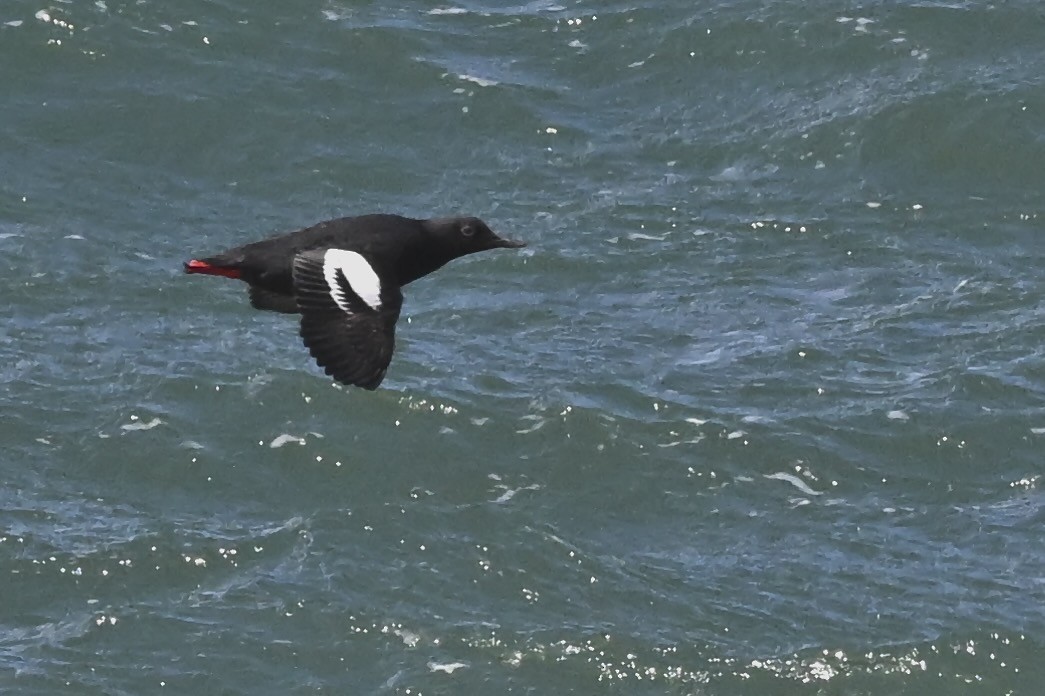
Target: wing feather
(350, 339)
(261, 298)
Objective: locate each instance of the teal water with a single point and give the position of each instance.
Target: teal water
(760, 409)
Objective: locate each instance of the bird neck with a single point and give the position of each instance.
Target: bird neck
(420, 260)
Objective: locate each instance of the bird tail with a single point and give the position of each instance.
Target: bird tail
(212, 266)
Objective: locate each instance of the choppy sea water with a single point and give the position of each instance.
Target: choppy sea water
(759, 410)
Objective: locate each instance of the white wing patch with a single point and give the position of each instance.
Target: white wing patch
(357, 271)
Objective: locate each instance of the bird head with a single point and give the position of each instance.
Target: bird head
(468, 235)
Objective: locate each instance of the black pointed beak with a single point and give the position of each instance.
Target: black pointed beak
(508, 244)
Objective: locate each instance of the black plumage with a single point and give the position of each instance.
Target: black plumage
(345, 277)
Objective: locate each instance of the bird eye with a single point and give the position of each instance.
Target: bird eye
(468, 230)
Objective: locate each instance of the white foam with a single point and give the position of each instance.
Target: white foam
(539, 423)
(794, 481)
(481, 81)
(510, 493)
(284, 439)
(676, 443)
(409, 638)
(140, 425)
(448, 667)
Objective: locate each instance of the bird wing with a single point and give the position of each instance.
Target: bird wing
(348, 315)
(260, 298)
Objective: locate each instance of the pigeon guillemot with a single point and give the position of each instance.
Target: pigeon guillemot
(345, 277)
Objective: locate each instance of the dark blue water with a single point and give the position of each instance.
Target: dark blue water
(760, 409)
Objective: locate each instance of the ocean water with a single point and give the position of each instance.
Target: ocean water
(759, 410)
